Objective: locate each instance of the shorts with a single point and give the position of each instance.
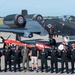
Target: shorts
(34, 60)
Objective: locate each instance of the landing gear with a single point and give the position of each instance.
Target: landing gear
(51, 40)
(18, 37)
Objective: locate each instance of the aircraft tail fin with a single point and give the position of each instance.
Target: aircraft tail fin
(24, 12)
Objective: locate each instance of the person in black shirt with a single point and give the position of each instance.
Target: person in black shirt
(72, 57)
(64, 59)
(44, 55)
(7, 52)
(54, 59)
(34, 57)
(17, 55)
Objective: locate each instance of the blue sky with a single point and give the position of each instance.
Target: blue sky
(43, 7)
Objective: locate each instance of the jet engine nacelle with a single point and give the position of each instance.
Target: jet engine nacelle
(15, 21)
(34, 17)
(52, 41)
(37, 17)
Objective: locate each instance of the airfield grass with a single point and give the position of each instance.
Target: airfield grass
(1, 21)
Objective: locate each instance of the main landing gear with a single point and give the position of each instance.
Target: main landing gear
(52, 41)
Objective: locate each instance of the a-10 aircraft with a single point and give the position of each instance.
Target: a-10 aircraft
(26, 24)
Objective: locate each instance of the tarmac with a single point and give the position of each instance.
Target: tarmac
(35, 38)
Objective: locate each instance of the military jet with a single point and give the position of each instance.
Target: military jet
(26, 24)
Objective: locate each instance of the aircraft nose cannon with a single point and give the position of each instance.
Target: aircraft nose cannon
(15, 21)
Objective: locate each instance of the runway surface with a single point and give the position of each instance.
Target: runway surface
(35, 38)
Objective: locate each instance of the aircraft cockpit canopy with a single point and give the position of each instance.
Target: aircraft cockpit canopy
(68, 18)
(71, 19)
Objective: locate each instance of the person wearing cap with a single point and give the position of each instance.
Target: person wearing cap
(25, 53)
(54, 59)
(17, 55)
(64, 59)
(44, 55)
(34, 57)
(7, 52)
(72, 57)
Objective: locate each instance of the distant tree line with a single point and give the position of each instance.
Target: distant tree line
(1, 17)
(51, 17)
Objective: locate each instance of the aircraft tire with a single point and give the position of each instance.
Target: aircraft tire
(52, 41)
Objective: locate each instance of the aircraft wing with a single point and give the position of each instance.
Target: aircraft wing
(22, 32)
(12, 30)
(30, 28)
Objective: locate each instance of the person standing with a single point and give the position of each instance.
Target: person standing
(0, 59)
(54, 59)
(64, 59)
(44, 56)
(17, 55)
(25, 53)
(34, 57)
(72, 57)
(7, 52)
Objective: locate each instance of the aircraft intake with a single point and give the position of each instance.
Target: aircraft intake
(15, 21)
(37, 17)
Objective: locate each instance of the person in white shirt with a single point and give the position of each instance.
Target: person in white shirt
(60, 47)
